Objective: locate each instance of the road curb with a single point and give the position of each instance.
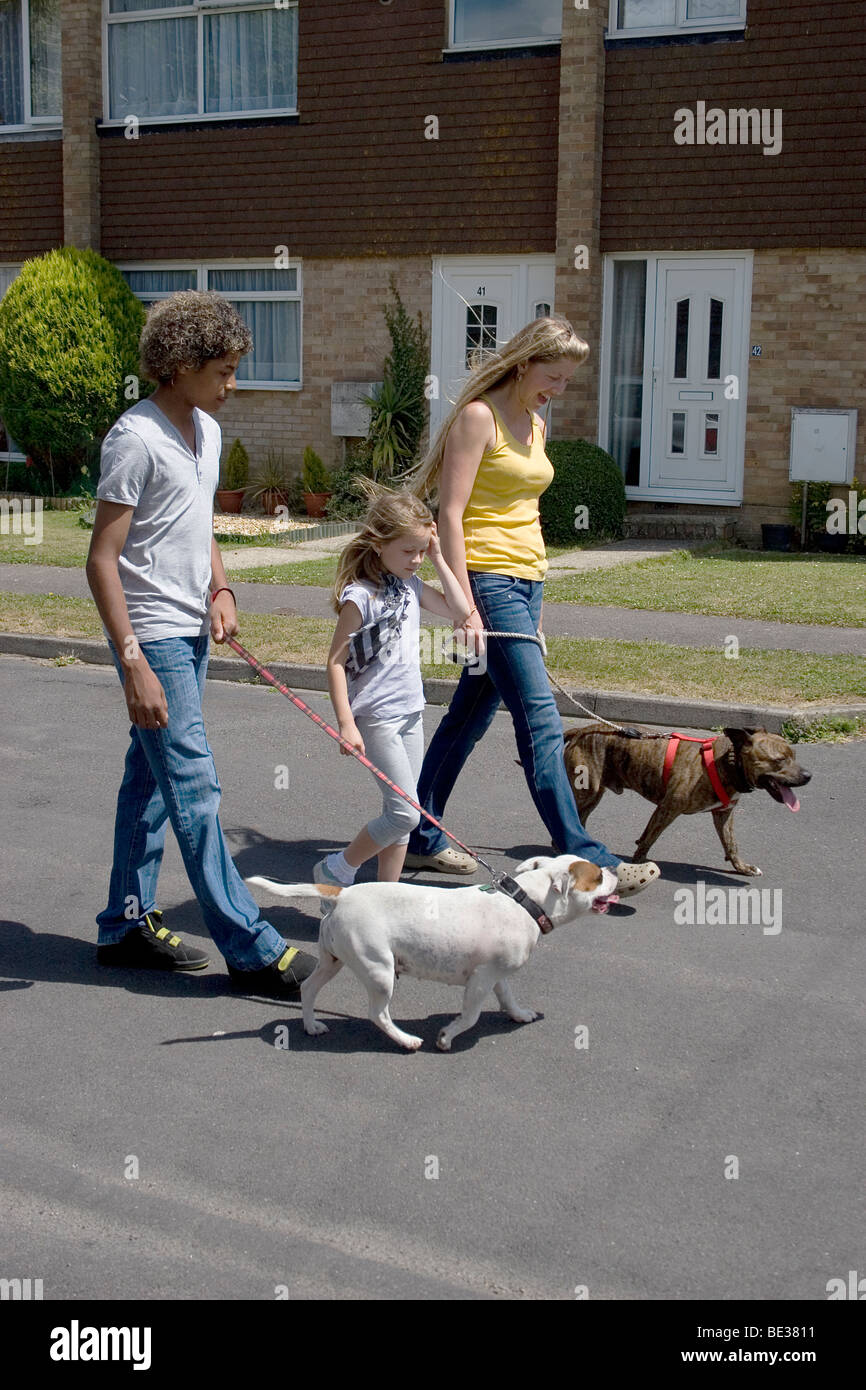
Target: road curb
(617, 705)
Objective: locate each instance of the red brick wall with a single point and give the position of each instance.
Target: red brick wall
(355, 176)
(807, 57)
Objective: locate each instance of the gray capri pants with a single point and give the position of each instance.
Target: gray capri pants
(396, 746)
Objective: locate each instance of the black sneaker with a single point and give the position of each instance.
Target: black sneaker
(282, 979)
(152, 947)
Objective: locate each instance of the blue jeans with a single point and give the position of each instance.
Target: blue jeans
(170, 776)
(516, 676)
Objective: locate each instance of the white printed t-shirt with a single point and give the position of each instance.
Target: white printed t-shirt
(165, 564)
(391, 686)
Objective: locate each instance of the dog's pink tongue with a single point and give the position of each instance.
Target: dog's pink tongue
(789, 797)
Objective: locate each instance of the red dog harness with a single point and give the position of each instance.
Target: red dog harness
(708, 761)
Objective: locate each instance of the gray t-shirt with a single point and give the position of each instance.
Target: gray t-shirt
(391, 686)
(165, 565)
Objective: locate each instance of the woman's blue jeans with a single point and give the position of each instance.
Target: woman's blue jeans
(515, 676)
(170, 776)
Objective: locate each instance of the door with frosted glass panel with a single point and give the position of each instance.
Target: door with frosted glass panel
(478, 304)
(695, 420)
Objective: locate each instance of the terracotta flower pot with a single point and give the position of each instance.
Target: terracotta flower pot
(230, 499)
(316, 502)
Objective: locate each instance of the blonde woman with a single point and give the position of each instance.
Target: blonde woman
(489, 467)
(374, 672)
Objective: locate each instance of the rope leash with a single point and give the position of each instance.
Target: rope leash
(542, 646)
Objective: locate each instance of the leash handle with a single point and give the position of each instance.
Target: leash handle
(271, 679)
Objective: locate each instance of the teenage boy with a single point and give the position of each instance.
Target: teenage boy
(156, 575)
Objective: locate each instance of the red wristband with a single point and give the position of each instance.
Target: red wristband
(224, 590)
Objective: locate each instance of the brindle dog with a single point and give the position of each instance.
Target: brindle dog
(600, 760)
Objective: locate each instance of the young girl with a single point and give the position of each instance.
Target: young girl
(374, 674)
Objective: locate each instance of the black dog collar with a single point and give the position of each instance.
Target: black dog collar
(503, 883)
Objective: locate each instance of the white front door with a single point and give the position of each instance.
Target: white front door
(696, 415)
(674, 386)
(480, 302)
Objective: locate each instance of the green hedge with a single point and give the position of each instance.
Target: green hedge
(584, 477)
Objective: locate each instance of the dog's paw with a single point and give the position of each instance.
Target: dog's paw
(524, 1015)
(410, 1042)
(443, 1042)
(315, 1028)
(751, 869)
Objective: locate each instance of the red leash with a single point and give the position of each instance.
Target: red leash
(271, 679)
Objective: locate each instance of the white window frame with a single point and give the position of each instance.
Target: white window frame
(491, 43)
(681, 25)
(202, 269)
(30, 121)
(193, 9)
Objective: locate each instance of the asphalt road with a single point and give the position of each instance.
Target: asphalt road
(711, 1048)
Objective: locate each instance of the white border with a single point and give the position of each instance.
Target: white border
(642, 492)
(201, 269)
(481, 45)
(191, 10)
(30, 121)
(680, 26)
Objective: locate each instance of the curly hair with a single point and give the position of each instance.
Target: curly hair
(389, 515)
(188, 329)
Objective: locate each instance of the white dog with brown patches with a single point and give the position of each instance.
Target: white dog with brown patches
(473, 937)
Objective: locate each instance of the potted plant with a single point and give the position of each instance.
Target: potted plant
(317, 483)
(235, 474)
(271, 482)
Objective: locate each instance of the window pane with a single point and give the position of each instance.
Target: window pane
(11, 78)
(714, 357)
(626, 368)
(45, 57)
(127, 6)
(144, 282)
(542, 310)
(711, 434)
(276, 330)
(635, 14)
(678, 432)
(250, 60)
(481, 324)
(164, 85)
(488, 21)
(681, 347)
(226, 281)
(713, 9)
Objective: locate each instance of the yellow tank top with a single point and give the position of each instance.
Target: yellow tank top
(500, 523)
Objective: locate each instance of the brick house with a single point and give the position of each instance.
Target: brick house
(682, 178)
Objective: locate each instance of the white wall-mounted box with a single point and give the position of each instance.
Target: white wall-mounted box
(823, 444)
(350, 418)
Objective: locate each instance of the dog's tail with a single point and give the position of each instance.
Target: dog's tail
(295, 890)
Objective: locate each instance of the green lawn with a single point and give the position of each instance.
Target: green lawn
(821, 589)
(64, 541)
(774, 678)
